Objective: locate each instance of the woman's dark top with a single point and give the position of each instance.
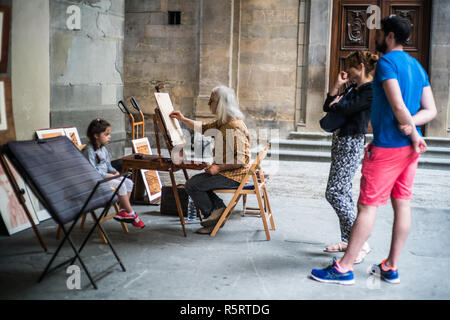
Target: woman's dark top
(355, 105)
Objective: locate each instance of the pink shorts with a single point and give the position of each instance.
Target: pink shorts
(387, 172)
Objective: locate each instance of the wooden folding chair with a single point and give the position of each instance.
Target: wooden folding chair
(253, 183)
(253, 210)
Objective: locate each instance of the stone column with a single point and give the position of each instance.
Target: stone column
(216, 50)
(86, 67)
(318, 52)
(30, 66)
(440, 68)
(302, 63)
(268, 63)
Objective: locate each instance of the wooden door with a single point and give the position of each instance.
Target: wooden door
(418, 14)
(350, 32)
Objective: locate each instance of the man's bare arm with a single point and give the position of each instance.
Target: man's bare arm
(427, 110)
(402, 114)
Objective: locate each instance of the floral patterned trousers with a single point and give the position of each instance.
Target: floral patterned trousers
(345, 158)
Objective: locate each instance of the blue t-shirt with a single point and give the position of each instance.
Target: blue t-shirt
(412, 78)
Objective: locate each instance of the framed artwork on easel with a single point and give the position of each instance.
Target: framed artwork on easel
(171, 125)
(151, 179)
(11, 211)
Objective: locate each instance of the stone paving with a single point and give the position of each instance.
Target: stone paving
(239, 263)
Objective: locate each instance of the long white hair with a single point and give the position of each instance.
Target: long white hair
(227, 105)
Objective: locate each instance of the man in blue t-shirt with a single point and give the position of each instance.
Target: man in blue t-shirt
(411, 79)
(402, 102)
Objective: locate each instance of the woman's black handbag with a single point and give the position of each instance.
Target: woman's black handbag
(332, 121)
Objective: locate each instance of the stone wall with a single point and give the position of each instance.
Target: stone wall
(29, 62)
(274, 53)
(268, 62)
(156, 52)
(317, 63)
(86, 67)
(216, 50)
(250, 45)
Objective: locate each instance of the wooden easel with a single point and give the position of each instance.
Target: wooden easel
(159, 123)
(19, 194)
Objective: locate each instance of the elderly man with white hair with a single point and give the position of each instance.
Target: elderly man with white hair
(231, 155)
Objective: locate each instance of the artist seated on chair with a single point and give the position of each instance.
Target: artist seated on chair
(231, 155)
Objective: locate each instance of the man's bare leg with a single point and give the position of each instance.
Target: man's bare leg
(360, 233)
(400, 230)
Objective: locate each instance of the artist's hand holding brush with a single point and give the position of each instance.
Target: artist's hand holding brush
(180, 117)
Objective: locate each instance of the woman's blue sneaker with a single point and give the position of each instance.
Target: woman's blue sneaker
(333, 274)
(387, 274)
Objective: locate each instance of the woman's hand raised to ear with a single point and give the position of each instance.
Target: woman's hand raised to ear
(342, 79)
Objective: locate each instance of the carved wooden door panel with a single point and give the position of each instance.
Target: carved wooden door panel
(418, 14)
(350, 31)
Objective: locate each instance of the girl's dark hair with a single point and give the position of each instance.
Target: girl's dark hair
(96, 126)
(365, 57)
(400, 27)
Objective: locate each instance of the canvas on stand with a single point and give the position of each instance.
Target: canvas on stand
(172, 125)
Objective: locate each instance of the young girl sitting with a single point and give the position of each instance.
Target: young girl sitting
(99, 134)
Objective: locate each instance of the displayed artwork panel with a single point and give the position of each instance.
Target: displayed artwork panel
(50, 133)
(72, 134)
(12, 212)
(151, 178)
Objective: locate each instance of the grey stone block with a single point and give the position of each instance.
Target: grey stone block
(96, 20)
(87, 62)
(81, 119)
(79, 96)
(142, 5)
